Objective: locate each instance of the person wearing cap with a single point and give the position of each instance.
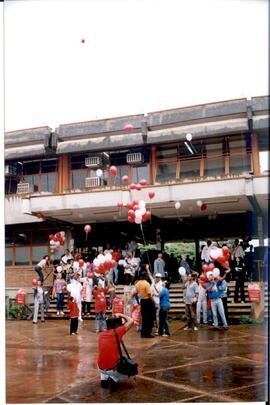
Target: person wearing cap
(156, 287)
(214, 289)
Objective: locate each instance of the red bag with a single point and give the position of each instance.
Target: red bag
(254, 292)
(118, 305)
(21, 296)
(136, 315)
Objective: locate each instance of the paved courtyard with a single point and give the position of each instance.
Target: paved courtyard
(45, 364)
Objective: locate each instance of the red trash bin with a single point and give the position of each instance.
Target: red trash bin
(21, 296)
(254, 292)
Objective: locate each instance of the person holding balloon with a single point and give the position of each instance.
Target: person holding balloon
(202, 300)
(213, 287)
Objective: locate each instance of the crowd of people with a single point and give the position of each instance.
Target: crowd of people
(148, 291)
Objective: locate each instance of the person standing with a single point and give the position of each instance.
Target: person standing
(38, 302)
(184, 263)
(73, 314)
(214, 293)
(205, 255)
(156, 287)
(59, 287)
(142, 288)
(164, 306)
(42, 266)
(191, 293)
(237, 253)
(100, 305)
(202, 300)
(87, 288)
(159, 265)
(240, 275)
(75, 289)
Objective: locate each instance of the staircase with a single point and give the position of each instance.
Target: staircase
(177, 304)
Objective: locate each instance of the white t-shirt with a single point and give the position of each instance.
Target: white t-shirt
(155, 290)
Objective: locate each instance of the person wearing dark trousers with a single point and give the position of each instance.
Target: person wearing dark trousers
(41, 266)
(73, 314)
(163, 329)
(240, 275)
(142, 288)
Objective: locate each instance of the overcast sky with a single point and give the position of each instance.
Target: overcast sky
(138, 56)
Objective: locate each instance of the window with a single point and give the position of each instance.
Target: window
(41, 175)
(166, 171)
(8, 256)
(214, 163)
(190, 162)
(263, 146)
(22, 256)
(240, 158)
(37, 253)
(167, 156)
(139, 173)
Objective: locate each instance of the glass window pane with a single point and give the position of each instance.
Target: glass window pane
(139, 173)
(48, 166)
(214, 166)
(22, 238)
(263, 141)
(48, 182)
(8, 256)
(78, 179)
(238, 145)
(33, 181)
(214, 149)
(166, 171)
(22, 256)
(185, 151)
(78, 162)
(264, 161)
(38, 252)
(121, 171)
(31, 167)
(167, 152)
(240, 164)
(11, 186)
(189, 168)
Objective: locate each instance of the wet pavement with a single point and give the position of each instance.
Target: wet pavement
(45, 364)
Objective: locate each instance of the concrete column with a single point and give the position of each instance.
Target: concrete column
(260, 229)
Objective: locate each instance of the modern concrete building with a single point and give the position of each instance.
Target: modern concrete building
(51, 182)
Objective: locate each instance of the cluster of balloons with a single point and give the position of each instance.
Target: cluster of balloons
(215, 272)
(142, 183)
(208, 267)
(56, 241)
(137, 212)
(221, 255)
(202, 205)
(103, 263)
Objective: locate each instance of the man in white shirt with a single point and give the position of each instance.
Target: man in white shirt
(237, 250)
(66, 256)
(75, 289)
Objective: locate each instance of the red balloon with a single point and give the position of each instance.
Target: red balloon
(143, 182)
(226, 265)
(144, 218)
(131, 213)
(131, 219)
(87, 228)
(151, 194)
(135, 202)
(81, 262)
(125, 179)
(88, 265)
(138, 187)
(120, 204)
(107, 264)
(113, 170)
(136, 207)
(211, 266)
(203, 207)
(55, 238)
(128, 128)
(102, 266)
(34, 282)
(90, 275)
(62, 243)
(51, 236)
(132, 186)
(205, 267)
(82, 41)
(202, 277)
(148, 213)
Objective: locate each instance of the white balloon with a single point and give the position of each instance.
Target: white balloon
(177, 205)
(52, 242)
(215, 252)
(182, 271)
(199, 203)
(96, 262)
(216, 272)
(101, 258)
(142, 204)
(142, 210)
(138, 215)
(57, 243)
(62, 233)
(138, 221)
(188, 137)
(108, 257)
(99, 172)
(121, 262)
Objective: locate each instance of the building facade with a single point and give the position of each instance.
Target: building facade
(51, 181)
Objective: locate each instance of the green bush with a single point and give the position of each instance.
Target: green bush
(17, 311)
(245, 320)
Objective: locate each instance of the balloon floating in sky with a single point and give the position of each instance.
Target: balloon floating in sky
(188, 137)
(128, 128)
(113, 171)
(82, 40)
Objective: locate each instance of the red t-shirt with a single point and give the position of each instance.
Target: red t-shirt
(100, 299)
(73, 309)
(108, 352)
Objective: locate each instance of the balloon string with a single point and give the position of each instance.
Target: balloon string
(144, 242)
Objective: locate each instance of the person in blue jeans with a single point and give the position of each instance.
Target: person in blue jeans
(214, 293)
(164, 304)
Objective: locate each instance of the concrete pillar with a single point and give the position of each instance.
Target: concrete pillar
(260, 230)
